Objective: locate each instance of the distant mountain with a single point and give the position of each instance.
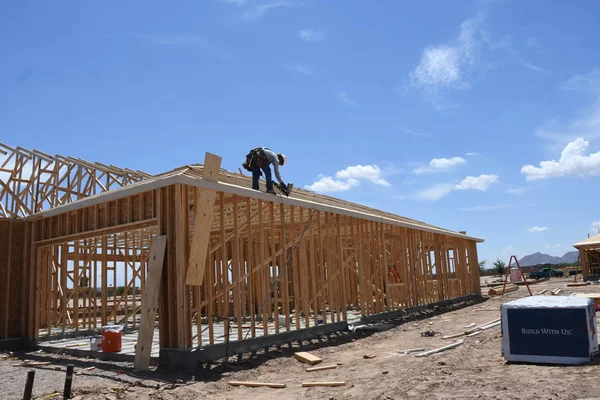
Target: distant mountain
(540, 258)
(570, 257)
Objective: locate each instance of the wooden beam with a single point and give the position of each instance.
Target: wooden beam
(150, 303)
(203, 220)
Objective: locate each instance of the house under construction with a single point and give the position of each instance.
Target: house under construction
(589, 254)
(194, 263)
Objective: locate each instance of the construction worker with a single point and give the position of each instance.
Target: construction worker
(260, 159)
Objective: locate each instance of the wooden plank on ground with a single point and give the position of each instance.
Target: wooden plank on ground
(440, 349)
(258, 384)
(321, 368)
(307, 358)
(200, 240)
(314, 384)
(150, 303)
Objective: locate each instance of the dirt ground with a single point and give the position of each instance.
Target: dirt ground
(474, 370)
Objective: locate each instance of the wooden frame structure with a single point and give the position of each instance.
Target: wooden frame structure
(32, 181)
(250, 262)
(589, 254)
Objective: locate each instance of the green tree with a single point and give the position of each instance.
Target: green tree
(481, 266)
(499, 266)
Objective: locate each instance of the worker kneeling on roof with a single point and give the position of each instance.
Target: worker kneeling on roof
(259, 159)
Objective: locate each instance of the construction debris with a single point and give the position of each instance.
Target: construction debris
(498, 290)
(313, 384)
(440, 349)
(369, 356)
(307, 358)
(32, 364)
(577, 284)
(258, 384)
(411, 350)
(482, 327)
(321, 368)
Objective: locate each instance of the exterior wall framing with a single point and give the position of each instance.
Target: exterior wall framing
(271, 267)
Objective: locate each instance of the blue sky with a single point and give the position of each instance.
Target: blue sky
(436, 110)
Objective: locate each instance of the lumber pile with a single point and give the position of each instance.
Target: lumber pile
(498, 290)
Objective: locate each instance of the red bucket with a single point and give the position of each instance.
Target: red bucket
(112, 336)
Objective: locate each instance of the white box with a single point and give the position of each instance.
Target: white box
(549, 329)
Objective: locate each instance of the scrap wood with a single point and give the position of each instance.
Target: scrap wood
(577, 284)
(84, 370)
(32, 364)
(313, 384)
(306, 357)
(474, 333)
(257, 384)
(75, 345)
(542, 292)
(440, 349)
(473, 330)
(453, 336)
(369, 356)
(411, 350)
(472, 324)
(486, 327)
(498, 291)
(321, 368)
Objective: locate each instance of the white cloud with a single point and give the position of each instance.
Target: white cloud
(471, 154)
(555, 246)
(440, 165)
(234, 2)
(343, 96)
(301, 69)
(348, 178)
(447, 66)
(481, 183)
(436, 192)
(489, 207)
(309, 35)
(586, 122)
(573, 161)
(596, 224)
(585, 83)
(369, 172)
(262, 10)
(328, 184)
(516, 191)
(412, 132)
(533, 67)
(538, 229)
(187, 39)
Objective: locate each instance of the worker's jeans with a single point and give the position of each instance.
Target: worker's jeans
(256, 176)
